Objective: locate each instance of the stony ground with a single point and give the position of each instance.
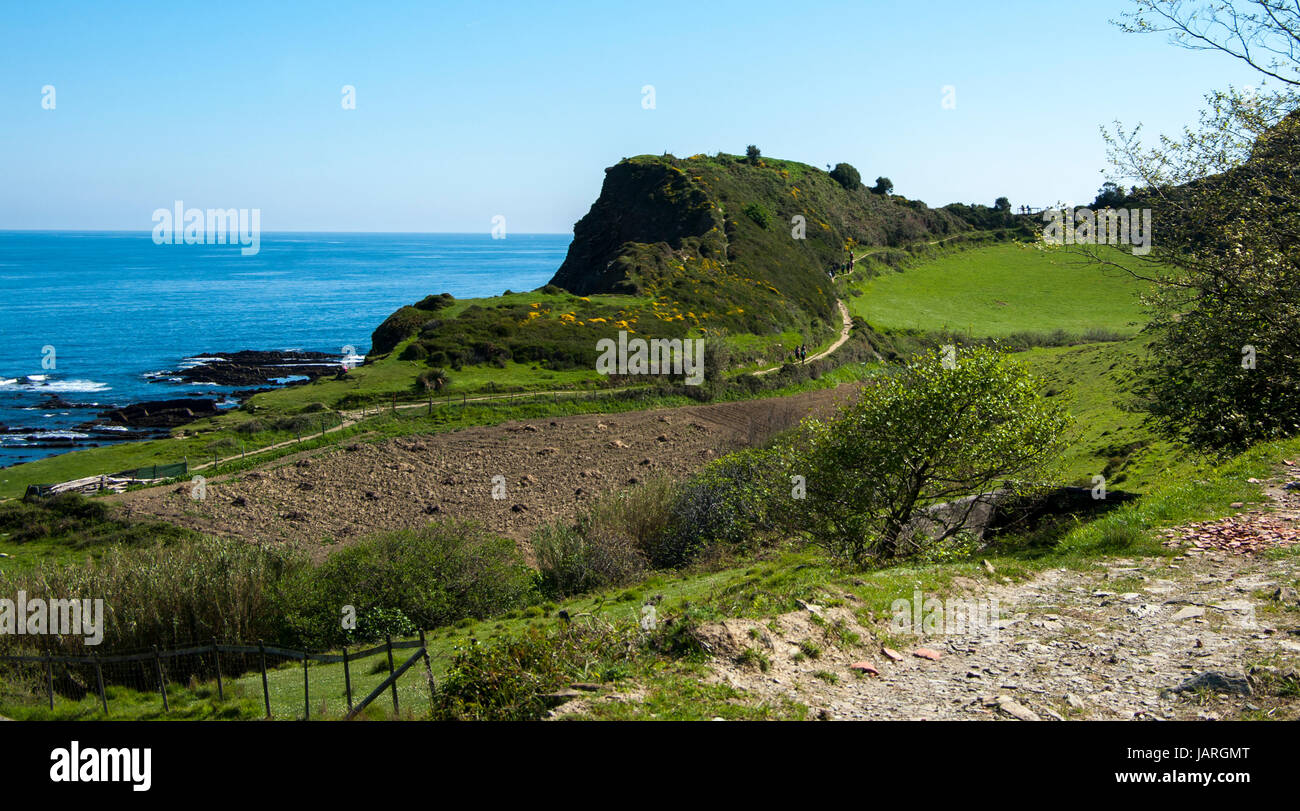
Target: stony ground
(1115, 641)
(550, 469)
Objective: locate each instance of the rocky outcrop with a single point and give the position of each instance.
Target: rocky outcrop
(256, 368)
(647, 203)
(161, 413)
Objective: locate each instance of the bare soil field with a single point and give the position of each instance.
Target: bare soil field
(550, 468)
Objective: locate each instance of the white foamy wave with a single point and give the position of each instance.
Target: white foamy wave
(39, 384)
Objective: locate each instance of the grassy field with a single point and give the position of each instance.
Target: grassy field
(999, 290)
(1110, 435)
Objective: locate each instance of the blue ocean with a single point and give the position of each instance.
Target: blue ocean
(97, 318)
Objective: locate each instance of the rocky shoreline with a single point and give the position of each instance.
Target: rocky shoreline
(254, 371)
(258, 368)
(246, 372)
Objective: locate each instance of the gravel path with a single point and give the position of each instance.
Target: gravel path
(1108, 642)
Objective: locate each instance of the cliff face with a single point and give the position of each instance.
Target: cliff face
(754, 240)
(641, 203)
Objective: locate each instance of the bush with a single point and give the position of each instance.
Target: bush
(73, 520)
(572, 561)
(378, 623)
(845, 175)
(758, 214)
(432, 380)
(935, 433)
(883, 186)
(431, 303)
(414, 351)
(611, 544)
(435, 576)
(396, 328)
(725, 507)
(508, 680)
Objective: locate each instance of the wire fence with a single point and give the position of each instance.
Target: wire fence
(79, 677)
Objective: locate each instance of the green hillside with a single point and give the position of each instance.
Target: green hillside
(999, 290)
(677, 247)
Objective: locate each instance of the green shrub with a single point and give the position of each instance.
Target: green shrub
(72, 519)
(414, 351)
(396, 328)
(726, 506)
(435, 379)
(377, 623)
(434, 575)
(509, 680)
(758, 214)
(431, 303)
(934, 433)
(845, 175)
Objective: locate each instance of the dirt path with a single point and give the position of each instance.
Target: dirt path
(550, 469)
(845, 329)
(1109, 642)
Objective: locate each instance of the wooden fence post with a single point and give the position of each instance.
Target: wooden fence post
(162, 686)
(428, 668)
(266, 691)
(216, 653)
(99, 680)
(389, 641)
(347, 677)
(306, 690)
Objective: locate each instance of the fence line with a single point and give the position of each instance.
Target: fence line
(156, 656)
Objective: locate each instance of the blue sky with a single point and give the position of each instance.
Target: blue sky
(465, 111)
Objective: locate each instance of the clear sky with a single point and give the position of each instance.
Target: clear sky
(469, 110)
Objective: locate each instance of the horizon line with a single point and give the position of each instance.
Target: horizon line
(150, 231)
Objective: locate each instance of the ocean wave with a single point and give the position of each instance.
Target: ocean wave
(40, 385)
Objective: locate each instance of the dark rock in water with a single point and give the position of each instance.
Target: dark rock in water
(256, 368)
(162, 413)
(55, 401)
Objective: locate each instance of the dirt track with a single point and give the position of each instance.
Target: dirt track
(551, 468)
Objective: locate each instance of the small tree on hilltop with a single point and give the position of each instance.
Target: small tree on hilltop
(936, 433)
(752, 153)
(883, 186)
(845, 175)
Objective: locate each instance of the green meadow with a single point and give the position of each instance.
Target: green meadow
(1000, 290)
